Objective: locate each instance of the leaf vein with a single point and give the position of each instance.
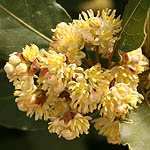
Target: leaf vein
(130, 17)
(132, 34)
(25, 24)
(137, 20)
(143, 6)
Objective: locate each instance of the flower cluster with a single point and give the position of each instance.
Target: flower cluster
(53, 85)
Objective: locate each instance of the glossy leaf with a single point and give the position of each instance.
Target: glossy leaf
(135, 132)
(132, 35)
(28, 21)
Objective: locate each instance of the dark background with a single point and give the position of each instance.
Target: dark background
(73, 7)
(12, 139)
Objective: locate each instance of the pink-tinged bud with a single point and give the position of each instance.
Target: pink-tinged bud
(136, 58)
(67, 134)
(93, 97)
(21, 68)
(24, 77)
(14, 60)
(21, 106)
(59, 87)
(52, 80)
(8, 68)
(121, 109)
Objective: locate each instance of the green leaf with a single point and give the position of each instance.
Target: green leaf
(23, 22)
(132, 35)
(136, 132)
(10, 116)
(28, 21)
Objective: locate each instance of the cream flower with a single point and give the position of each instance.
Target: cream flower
(123, 75)
(34, 103)
(70, 125)
(119, 101)
(50, 83)
(67, 40)
(112, 25)
(83, 97)
(90, 26)
(99, 30)
(30, 53)
(51, 60)
(58, 105)
(72, 71)
(94, 74)
(134, 61)
(99, 79)
(42, 105)
(122, 92)
(24, 86)
(108, 128)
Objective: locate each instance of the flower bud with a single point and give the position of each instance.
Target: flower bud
(67, 134)
(93, 97)
(8, 68)
(59, 87)
(21, 68)
(52, 80)
(14, 60)
(21, 106)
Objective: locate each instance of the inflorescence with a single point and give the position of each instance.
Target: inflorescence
(53, 85)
